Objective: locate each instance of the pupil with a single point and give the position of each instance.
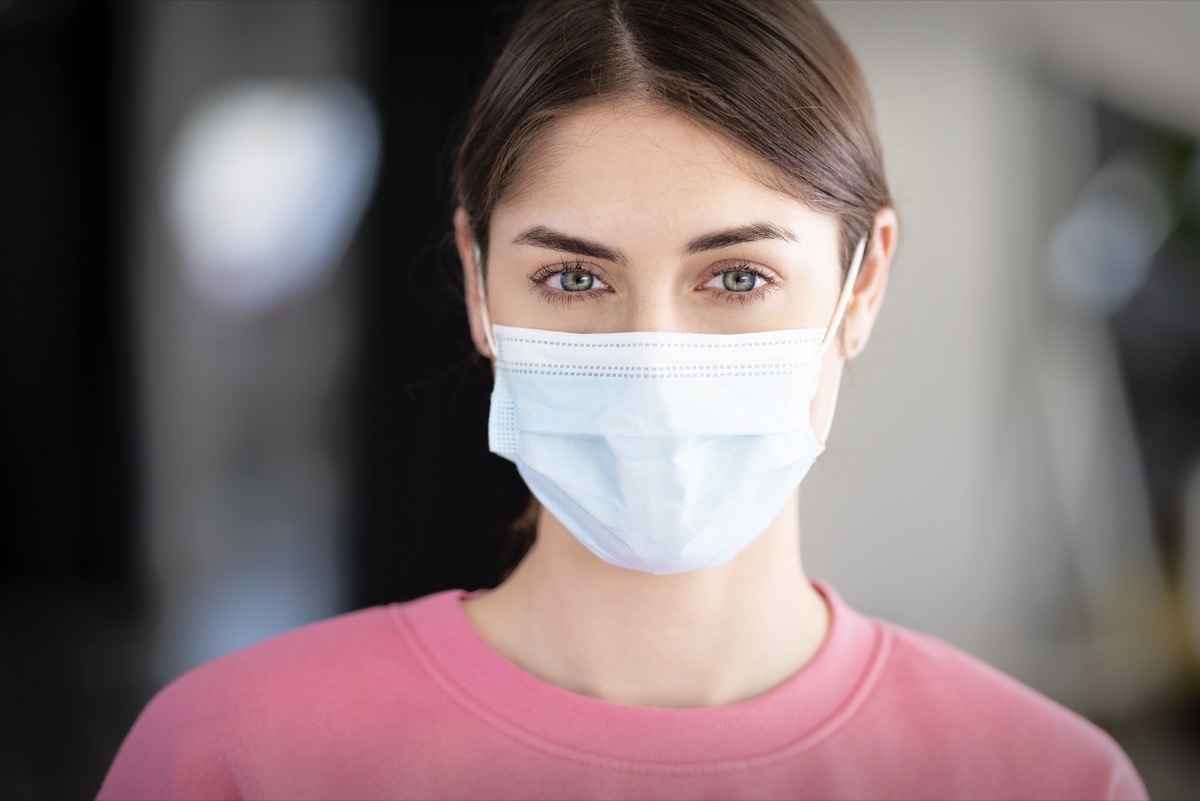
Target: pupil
(576, 280)
(739, 281)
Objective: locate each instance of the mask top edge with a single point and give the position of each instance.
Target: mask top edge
(551, 337)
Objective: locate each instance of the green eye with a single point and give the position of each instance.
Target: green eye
(739, 280)
(575, 280)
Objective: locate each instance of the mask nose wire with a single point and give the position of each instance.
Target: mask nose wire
(483, 307)
(844, 297)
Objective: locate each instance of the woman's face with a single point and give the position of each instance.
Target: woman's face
(634, 218)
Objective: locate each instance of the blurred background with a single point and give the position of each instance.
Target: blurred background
(239, 392)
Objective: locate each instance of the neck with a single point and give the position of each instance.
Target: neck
(706, 638)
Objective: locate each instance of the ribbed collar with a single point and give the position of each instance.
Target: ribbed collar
(793, 715)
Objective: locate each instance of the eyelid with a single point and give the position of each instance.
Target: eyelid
(770, 281)
(541, 276)
(547, 271)
(742, 266)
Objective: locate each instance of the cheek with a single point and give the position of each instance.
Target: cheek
(510, 301)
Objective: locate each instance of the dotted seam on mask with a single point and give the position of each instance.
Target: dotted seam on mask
(774, 366)
(682, 345)
(502, 434)
(705, 374)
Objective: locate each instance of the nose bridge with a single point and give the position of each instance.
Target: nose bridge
(652, 306)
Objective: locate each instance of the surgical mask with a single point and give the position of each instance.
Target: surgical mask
(660, 452)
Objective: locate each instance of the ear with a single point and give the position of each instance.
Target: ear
(867, 297)
(464, 241)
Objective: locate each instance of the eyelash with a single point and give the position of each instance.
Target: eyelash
(560, 298)
(752, 296)
(565, 299)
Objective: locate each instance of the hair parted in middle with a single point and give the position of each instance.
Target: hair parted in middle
(771, 76)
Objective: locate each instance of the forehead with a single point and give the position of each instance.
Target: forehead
(623, 161)
(603, 135)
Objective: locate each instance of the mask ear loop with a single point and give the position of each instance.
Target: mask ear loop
(844, 297)
(836, 323)
(483, 307)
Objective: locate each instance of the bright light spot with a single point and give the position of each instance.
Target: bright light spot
(265, 187)
(1101, 252)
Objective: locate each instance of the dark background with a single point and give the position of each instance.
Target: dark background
(75, 601)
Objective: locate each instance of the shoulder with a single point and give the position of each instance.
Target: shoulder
(994, 723)
(297, 692)
(941, 676)
(287, 665)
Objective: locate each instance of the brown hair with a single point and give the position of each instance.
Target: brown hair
(772, 76)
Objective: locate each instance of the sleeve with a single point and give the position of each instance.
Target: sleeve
(173, 751)
(1126, 783)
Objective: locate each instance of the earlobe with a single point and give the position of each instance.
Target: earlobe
(867, 299)
(468, 253)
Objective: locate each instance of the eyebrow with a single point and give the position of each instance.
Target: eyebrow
(753, 232)
(543, 237)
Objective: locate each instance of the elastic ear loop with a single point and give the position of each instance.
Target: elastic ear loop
(844, 297)
(836, 322)
(483, 308)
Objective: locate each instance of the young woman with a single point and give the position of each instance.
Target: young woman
(674, 229)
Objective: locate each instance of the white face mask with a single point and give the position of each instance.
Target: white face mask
(660, 452)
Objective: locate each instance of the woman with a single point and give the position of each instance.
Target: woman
(674, 229)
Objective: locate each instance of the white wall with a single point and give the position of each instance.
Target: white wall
(980, 482)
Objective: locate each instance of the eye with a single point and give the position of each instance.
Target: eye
(568, 281)
(573, 281)
(741, 280)
(737, 281)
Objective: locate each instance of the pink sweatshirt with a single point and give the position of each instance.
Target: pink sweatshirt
(408, 701)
